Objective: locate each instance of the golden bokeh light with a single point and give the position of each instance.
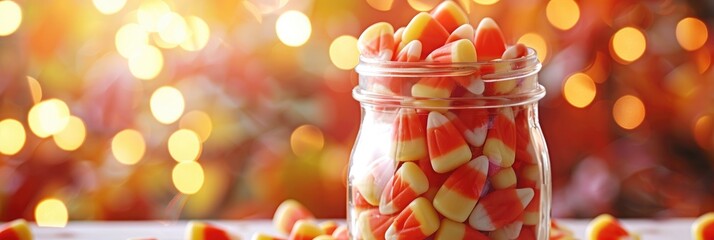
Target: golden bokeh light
(167, 104)
(579, 90)
(12, 136)
(72, 136)
(109, 7)
(381, 5)
(172, 29)
(35, 89)
(562, 14)
(184, 145)
(10, 17)
(128, 146)
(188, 177)
(199, 122)
(628, 44)
(129, 39)
(344, 53)
(150, 12)
(537, 42)
(51, 213)
(703, 131)
(146, 62)
(293, 28)
(48, 117)
(306, 140)
(423, 5)
(198, 34)
(628, 112)
(691, 33)
(486, 2)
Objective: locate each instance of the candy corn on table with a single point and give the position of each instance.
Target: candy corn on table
(648, 229)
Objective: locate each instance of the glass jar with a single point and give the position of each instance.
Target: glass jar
(449, 151)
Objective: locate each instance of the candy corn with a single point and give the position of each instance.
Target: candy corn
(516, 51)
(263, 236)
(417, 221)
(503, 178)
(433, 87)
(531, 214)
(425, 28)
(373, 225)
(375, 178)
(524, 149)
(341, 233)
(528, 176)
(465, 31)
(324, 237)
(489, 40)
(450, 230)
(305, 230)
(377, 41)
(328, 227)
(289, 212)
(449, 15)
(703, 227)
(499, 208)
(406, 185)
(459, 194)
(473, 125)
(605, 227)
(410, 53)
(447, 149)
(529, 233)
(409, 141)
(501, 140)
(557, 231)
(15, 230)
(204, 231)
(461, 50)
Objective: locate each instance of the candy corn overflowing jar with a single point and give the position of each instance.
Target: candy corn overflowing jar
(449, 145)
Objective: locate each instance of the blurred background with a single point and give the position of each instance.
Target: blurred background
(167, 109)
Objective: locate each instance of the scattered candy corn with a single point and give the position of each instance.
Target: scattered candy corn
(305, 230)
(328, 227)
(203, 231)
(606, 227)
(703, 227)
(288, 213)
(15, 230)
(341, 233)
(558, 232)
(459, 194)
(263, 236)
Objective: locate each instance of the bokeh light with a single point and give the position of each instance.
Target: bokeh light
(188, 177)
(130, 38)
(306, 140)
(344, 53)
(703, 131)
(184, 145)
(423, 5)
(691, 33)
(628, 44)
(293, 28)
(562, 14)
(150, 12)
(109, 7)
(199, 122)
(628, 112)
(198, 34)
(167, 104)
(12, 136)
(35, 89)
(128, 146)
(72, 136)
(381, 5)
(172, 29)
(48, 117)
(486, 2)
(51, 213)
(10, 17)
(579, 90)
(146, 62)
(537, 42)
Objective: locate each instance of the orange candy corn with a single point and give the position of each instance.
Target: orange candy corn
(473, 124)
(406, 185)
(703, 227)
(606, 227)
(500, 143)
(524, 149)
(531, 214)
(499, 208)
(204, 231)
(459, 194)
(377, 41)
(489, 40)
(425, 28)
(557, 231)
(528, 176)
(447, 149)
(449, 15)
(375, 178)
(417, 221)
(397, 41)
(465, 31)
(409, 139)
(503, 178)
(516, 51)
(461, 50)
(373, 225)
(15, 230)
(410, 53)
(305, 230)
(341, 233)
(433, 87)
(328, 227)
(289, 212)
(263, 236)
(450, 230)
(324, 237)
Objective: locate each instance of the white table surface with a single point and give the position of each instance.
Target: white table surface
(648, 229)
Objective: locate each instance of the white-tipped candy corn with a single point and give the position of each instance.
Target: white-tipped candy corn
(204, 231)
(450, 230)
(425, 28)
(264, 236)
(406, 185)
(377, 41)
(417, 221)
(473, 125)
(531, 214)
(373, 225)
(489, 40)
(703, 227)
(500, 143)
(450, 15)
(499, 208)
(341, 233)
(289, 212)
(15, 230)
(557, 231)
(605, 227)
(516, 51)
(305, 230)
(447, 149)
(459, 194)
(461, 50)
(465, 31)
(409, 141)
(410, 53)
(375, 178)
(433, 87)
(503, 178)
